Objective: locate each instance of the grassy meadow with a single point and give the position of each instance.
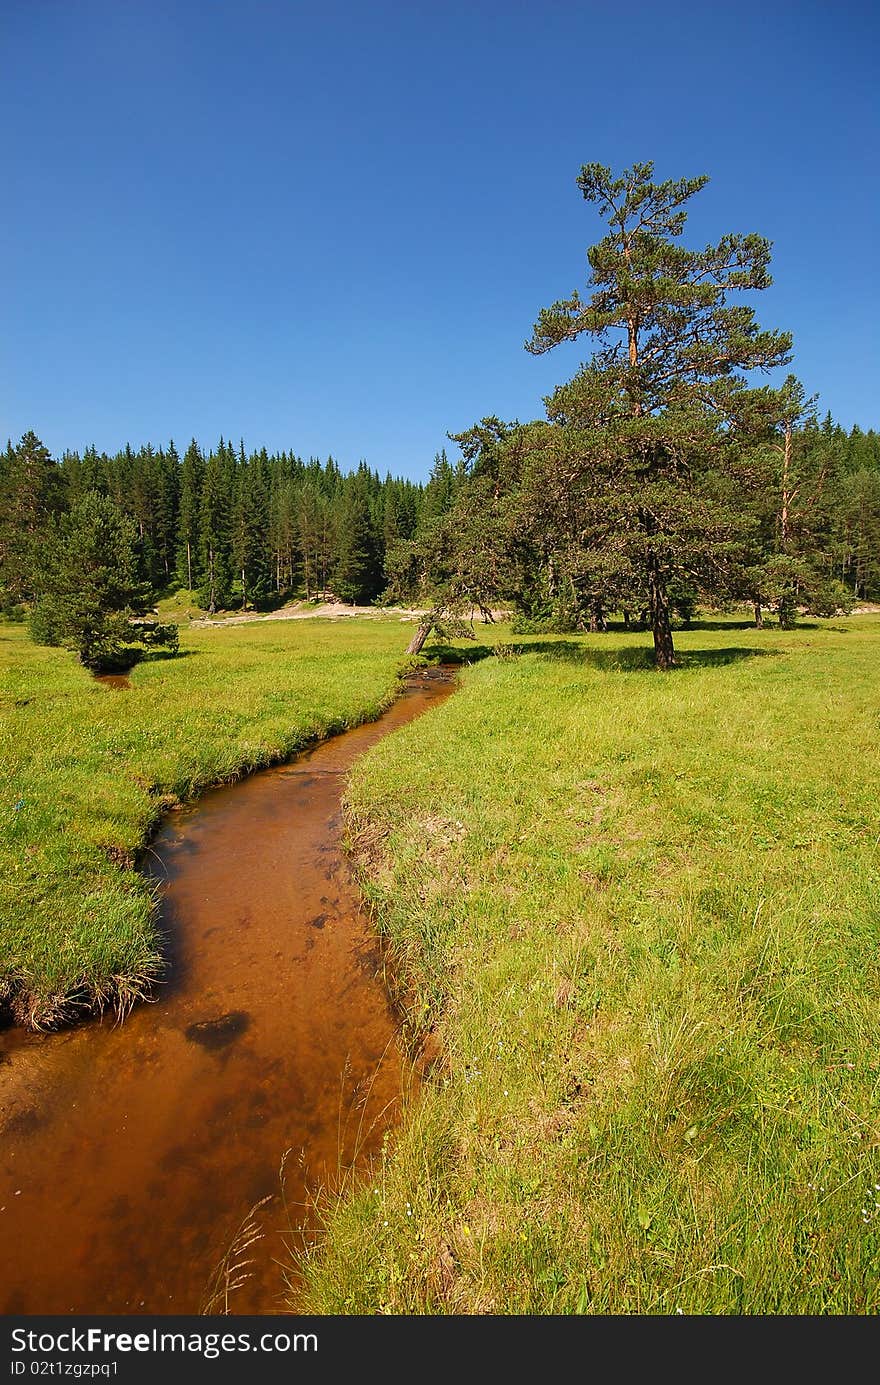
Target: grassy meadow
(638, 917)
(87, 771)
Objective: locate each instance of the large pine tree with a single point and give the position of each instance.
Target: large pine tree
(647, 422)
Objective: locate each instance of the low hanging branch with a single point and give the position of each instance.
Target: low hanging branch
(446, 570)
(445, 626)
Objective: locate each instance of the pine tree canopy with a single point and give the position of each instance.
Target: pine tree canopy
(653, 476)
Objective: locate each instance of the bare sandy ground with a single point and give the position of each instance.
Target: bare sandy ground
(334, 610)
(304, 610)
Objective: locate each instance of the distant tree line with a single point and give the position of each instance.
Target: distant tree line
(89, 541)
(235, 528)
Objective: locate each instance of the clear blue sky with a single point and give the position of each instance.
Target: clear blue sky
(330, 226)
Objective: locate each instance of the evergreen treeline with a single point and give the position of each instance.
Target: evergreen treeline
(243, 529)
(806, 500)
(236, 528)
(842, 502)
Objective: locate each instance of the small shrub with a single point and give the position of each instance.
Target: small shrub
(830, 599)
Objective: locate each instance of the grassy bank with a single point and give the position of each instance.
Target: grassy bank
(642, 914)
(86, 772)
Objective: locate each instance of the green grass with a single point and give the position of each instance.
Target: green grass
(180, 606)
(87, 772)
(641, 914)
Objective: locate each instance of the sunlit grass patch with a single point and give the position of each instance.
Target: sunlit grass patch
(86, 772)
(640, 913)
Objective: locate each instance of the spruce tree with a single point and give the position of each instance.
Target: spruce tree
(251, 530)
(311, 520)
(167, 486)
(215, 524)
(357, 575)
(857, 532)
(391, 522)
(192, 473)
(30, 495)
(89, 589)
(140, 502)
(440, 491)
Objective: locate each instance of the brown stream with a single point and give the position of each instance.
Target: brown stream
(130, 1154)
(114, 680)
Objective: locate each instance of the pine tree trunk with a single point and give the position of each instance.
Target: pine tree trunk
(418, 639)
(189, 567)
(664, 649)
(786, 486)
(212, 605)
(759, 616)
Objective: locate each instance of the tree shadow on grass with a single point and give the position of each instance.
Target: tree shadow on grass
(451, 654)
(769, 625)
(619, 627)
(638, 658)
(716, 658)
(155, 656)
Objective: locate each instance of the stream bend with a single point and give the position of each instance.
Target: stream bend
(129, 1155)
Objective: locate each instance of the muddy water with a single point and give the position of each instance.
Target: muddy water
(119, 681)
(129, 1155)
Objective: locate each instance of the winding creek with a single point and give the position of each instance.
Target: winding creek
(129, 1155)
